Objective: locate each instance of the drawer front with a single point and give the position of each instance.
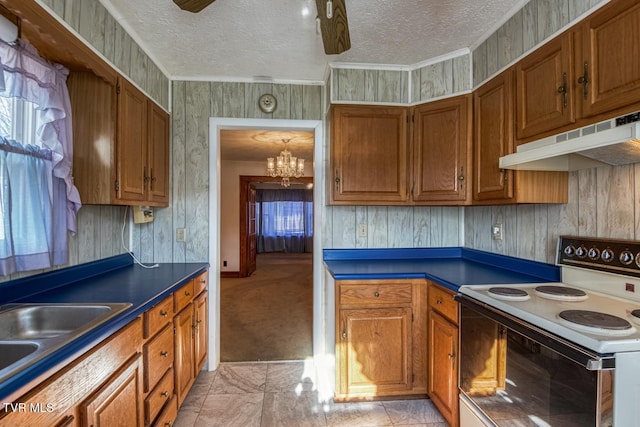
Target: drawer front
(158, 397)
(442, 301)
(201, 282)
(183, 296)
(375, 293)
(169, 414)
(157, 317)
(158, 357)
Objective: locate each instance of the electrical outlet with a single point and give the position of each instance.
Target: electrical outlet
(496, 231)
(362, 230)
(224, 263)
(181, 234)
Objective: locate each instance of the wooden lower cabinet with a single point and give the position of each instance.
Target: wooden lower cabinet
(200, 342)
(380, 336)
(443, 352)
(184, 362)
(117, 403)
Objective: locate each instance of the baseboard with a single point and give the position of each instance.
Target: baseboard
(229, 274)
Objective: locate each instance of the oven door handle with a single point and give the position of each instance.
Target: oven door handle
(590, 360)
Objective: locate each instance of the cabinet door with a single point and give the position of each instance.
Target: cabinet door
(158, 156)
(117, 403)
(493, 138)
(201, 333)
(369, 154)
(374, 348)
(441, 147)
(543, 84)
(184, 370)
(611, 56)
(131, 143)
(443, 366)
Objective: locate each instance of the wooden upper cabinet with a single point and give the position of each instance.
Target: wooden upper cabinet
(442, 151)
(132, 143)
(543, 88)
(158, 155)
(493, 138)
(609, 54)
(121, 143)
(369, 155)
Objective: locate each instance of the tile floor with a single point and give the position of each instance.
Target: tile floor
(278, 394)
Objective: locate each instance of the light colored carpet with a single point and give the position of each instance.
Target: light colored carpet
(269, 315)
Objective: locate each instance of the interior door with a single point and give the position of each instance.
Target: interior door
(251, 230)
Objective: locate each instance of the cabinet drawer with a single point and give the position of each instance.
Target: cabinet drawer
(169, 414)
(158, 397)
(200, 283)
(158, 357)
(182, 297)
(442, 301)
(375, 293)
(158, 316)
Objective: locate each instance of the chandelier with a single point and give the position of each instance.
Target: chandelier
(285, 165)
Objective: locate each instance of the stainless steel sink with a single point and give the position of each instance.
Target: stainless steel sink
(29, 332)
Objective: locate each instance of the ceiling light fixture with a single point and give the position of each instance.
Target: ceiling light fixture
(285, 166)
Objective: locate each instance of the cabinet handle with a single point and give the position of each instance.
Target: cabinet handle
(164, 353)
(337, 180)
(439, 301)
(163, 313)
(66, 421)
(187, 293)
(153, 178)
(584, 81)
(203, 281)
(168, 424)
(164, 394)
(144, 174)
(451, 355)
(563, 90)
(344, 332)
(376, 294)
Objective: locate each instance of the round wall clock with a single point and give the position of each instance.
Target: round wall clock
(267, 103)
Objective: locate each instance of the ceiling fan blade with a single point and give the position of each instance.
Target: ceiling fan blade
(194, 6)
(335, 31)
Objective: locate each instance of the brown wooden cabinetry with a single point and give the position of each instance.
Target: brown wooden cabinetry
(121, 143)
(544, 88)
(443, 352)
(442, 151)
(369, 147)
(607, 61)
(493, 138)
(117, 403)
(191, 339)
(380, 337)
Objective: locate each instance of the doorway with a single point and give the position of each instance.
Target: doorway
(216, 126)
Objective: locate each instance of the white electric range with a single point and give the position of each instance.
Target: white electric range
(589, 321)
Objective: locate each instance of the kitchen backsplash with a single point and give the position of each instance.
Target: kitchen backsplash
(602, 203)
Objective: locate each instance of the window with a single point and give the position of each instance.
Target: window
(38, 201)
(284, 220)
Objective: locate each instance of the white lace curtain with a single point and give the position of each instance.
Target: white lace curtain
(39, 200)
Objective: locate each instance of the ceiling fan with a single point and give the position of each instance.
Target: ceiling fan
(331, 13)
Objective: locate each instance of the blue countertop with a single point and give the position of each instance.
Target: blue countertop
(111, 280)
(449, 267)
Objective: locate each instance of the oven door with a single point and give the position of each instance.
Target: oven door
(512, 373)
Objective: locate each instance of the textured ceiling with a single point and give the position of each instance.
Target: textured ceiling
(257, 145)
(242, 39)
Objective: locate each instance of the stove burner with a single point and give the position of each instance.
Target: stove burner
(595, 320)
(510, 294)
(636, 313)
(562, 293)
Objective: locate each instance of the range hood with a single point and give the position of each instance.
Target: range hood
(613, 142)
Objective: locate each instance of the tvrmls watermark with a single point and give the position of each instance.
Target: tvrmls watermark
(28, 407)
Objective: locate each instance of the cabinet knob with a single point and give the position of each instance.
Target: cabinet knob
(376, 294)
(164, 353)
(168, 424)
(439, 301)
(163, 313)
(451, 355)
(164, 394)
(203, 281)
(187, 293)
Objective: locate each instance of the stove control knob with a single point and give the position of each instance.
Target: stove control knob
(594, 253)
(581, 252)
(626, 257)
(607, 255)
(638, 259)
(570, 251)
